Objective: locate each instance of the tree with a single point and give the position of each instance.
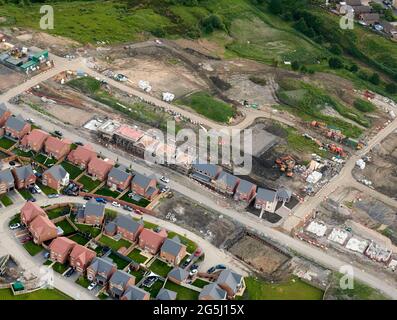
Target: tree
(336, 49)
(391, 88)
(295, 65)
(376, 7)
(389, 16)
(212, 22)
(275, 7)
(374, 78)
(353, 68)
(335, 63)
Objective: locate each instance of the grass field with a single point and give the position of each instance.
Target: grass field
(160, 268)
(137, 274)
(214, 109)
(182, 292)
(42, 294)
(15, 219)
(200, 283)
(154, 289)
(66, 227)
(59, 267)
(104, 191)
(136, 256)
(190, 245)
(83, 281)
(19, 152)
(142, 202)
(79, 239)
(57, 212)
(6, 200)
(32, 248)
(121, 263)
(115, 245)
(88, 183)
(45, 160)
(46, 189)
(71, 169)
(293, 289)
(90, 229)
(6, 143)
(25, 194)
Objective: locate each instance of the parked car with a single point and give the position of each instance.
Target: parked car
(92, 286)
(12, 163)
(149, 281)
(101, 200)
(165, 189)
(198, 252)
(127, 208)
(32, 199)
(58, 133)
(78, 143)
(26, 239)
(220, 267)
(87, 198)
(164, 179)
(115, 204)
(186, 263)
(69, 273)
(15, 226)
(211, 270)
(37, 188)
(53, 195)
(194, 267)
(32, 190)
(193, 272)
(46, 255)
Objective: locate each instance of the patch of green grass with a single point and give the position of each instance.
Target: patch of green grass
(120, 262)
(154, 289)
(19, 152)
(32, 248)
(59, 267)
(142, 202)
(191, 246)
(214, 109)
(46, 189)
(83, 281)
(182, 292)
(42, 294)
(161, 268)
(79, 239)
(147, 224)
(105, 191)
(138, 274)
(71, 169)
(15, 219)
(113, 244)
(364, 106)
(6, 200)
(136, 256)
(93, 231)
(103, 296)
(6, 143)
(25, 194)
(47, 262)
(88, 183)
(200, 283)
(58, 212)
(293, 289)
(66, 227)
(45, 160)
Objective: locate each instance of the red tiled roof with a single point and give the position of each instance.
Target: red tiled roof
(55, 144)
(84, 153)
(129, 132)
(42, 225)
(31, 210)
(83, 254)
(153, 238)
(100, 165)
(36, 136)
(62, 245)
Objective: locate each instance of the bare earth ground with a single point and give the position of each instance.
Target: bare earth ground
(9, 78)
(258, 255)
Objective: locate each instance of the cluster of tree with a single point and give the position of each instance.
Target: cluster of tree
(211, 23)
(296, 66)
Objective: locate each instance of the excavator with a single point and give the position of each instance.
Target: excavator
(286, 164)
(337, 150)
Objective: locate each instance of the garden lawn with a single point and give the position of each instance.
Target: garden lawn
(182, 293)
(214, 109)
(200, 283)
(32, 248)
(15, 219)
(42, 294)
(138, 275)
(6, 201)
(66, 227)
(120, 262)
(43, 159)
(104, 191)
(46, 189)
(83, 281)
(57, 212)
(19, 152)
(71, 169)
(293, 289)
(59, 267)
(88, 183)
(190, 245)
(6, 143)
(161, 268)
(154, 289)
(136, 256)
(147, 224)
(94, 232)
(25, 194)
(79, 239)
(142, 202)
(115, 245)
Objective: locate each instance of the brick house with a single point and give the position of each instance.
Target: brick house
(126, 226)
(205, 172)
(369, 18)
(24, 176)
(16, 127)
(231, 282)
(119, 282)
(119, 178)
(245, 191)
(93, 213)
(55, 177)
(34, 140)
(144, 186)
(212, 291)
(151, 241)
(7, 182)
(266, 199)
(57, 148)
(4, 114)
(283, 195)
(99, 168)
(178, 275)
(135, 293)
(30, 211)
(42, 229)
(165, 294)
(100, 270)
(81, 257)
(60, 249)
(226, 183)
(173, 251)
(82, 155)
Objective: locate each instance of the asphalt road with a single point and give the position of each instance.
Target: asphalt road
(201, 195)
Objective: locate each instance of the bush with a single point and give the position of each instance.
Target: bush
(336, 49)
(295, 65)
(211, 23)
(363, 105)
(353, 68)
(374, 78)
(335, 63)
(391, 88)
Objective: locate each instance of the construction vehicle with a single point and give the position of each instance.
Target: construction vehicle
(286, 164)
(353, 143)
(368, 94)
(337, 150)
